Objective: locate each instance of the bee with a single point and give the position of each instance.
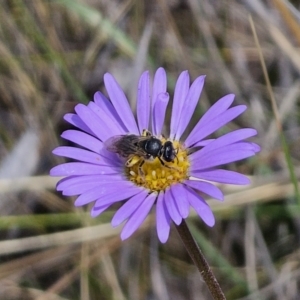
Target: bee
(138, 149)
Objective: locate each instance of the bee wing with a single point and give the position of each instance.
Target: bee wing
(112, 143)
(125, 145)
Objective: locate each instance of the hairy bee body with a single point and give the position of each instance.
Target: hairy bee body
(141, 148)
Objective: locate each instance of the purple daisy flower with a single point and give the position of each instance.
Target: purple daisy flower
(120, 160)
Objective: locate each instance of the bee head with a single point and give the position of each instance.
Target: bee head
(168, 151)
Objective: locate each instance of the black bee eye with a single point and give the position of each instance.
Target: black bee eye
(169, 153)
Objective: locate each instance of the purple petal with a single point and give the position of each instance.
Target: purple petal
(79, 189)
(249, 146)
(229, 138)
(120, 103)
(117, 128)
(143, 102)
(218, 108)
(180, 93)
(189, 106)
(205, 187)
(256, 148)
(159, 86)
(109, 110)
(101, 129)
(179, 194)
(128, 208)
(202, 131)
(79, 168)
(64, 182)
(96, 211)
(85, 185)
(159, 112)
(203, 143)
(79, 154)
(222, 176)
(163, 219)
(138, 217)
(116, 196)
(81, 180)
(201, 207)
(107, 193)
(204, 155)
(77, 122)
(95, 193)
(220, 157)
(172, 207)
(83, 139)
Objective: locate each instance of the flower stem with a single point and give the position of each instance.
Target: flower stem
(200, 261)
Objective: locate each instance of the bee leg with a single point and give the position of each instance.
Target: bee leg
(132, 161)
(162, 162)
(176, 155)
(146, 133)
(141, 172)
(166, 166)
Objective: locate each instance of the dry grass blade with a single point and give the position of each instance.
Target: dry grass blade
(35, 183)
(276, 114)
(57, 239)
(289, 18)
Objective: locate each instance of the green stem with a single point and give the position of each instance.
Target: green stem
(200, 261)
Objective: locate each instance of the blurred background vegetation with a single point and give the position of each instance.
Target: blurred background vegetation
(53, 54)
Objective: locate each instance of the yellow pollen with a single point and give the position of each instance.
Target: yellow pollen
(132, 173)
(155, 176)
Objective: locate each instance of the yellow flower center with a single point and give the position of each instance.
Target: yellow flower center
(155, 176)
